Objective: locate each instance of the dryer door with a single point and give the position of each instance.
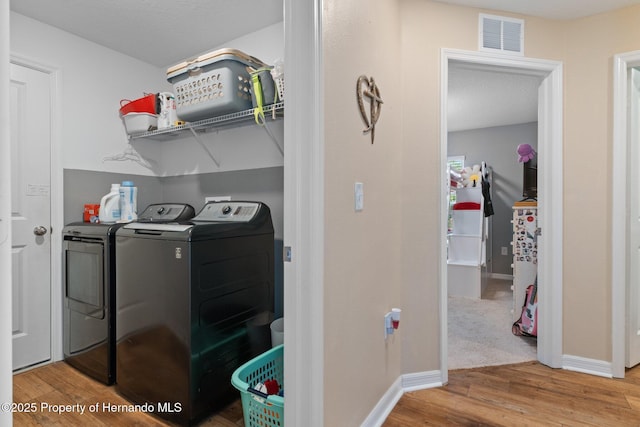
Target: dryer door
(84, 277)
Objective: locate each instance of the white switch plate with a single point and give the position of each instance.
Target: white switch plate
(504, 251)
(358, 193)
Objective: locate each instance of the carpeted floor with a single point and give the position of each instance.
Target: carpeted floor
(480, 330)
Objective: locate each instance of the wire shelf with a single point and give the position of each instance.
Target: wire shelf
(241, 117)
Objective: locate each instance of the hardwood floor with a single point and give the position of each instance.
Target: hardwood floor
(526, 394)
(60, 384)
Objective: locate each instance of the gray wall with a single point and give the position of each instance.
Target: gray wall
(265, 185)
(497, 147)
(87, 187)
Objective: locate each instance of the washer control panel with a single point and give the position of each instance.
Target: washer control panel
(228, 211)
(167, 212)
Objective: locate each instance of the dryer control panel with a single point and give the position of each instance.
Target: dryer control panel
(228, 211)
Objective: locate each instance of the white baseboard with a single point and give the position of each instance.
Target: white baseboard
(386, 404)
(421, 380)
(404, 383)
(501, 276)
(587, 366)
(430, 379)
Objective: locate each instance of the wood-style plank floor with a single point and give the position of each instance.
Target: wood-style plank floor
(60, 384)
(526, 394)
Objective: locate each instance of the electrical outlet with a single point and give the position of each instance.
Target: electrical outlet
(504, 251)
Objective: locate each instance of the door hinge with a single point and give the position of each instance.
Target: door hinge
(286, 254)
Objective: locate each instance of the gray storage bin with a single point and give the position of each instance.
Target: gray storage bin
(213, 84)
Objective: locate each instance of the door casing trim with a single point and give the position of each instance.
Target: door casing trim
(550, 185)
(619, 209)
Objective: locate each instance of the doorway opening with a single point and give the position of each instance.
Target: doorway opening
(492, 243)
(548, 77)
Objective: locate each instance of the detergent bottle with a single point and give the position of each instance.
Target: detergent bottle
(128, 202)
(167, 115)
(110, 205)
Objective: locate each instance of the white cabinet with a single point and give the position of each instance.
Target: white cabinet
(525, 251)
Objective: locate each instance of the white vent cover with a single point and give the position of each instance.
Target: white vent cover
(501, 34)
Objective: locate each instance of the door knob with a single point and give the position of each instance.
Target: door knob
(40, 230)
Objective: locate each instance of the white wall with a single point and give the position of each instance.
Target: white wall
(236, 148)
(93, 81)
(266, 44)
(6, 383)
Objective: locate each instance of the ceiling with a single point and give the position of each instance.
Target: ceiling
(483, 96)
(165, 32)
(159, 32)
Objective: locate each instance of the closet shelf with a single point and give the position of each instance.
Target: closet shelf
(245, 117)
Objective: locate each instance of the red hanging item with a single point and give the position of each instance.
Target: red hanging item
(466, 206)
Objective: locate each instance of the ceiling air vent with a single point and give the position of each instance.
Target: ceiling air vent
(501, 34)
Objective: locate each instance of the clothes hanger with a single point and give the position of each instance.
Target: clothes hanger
(129, 154)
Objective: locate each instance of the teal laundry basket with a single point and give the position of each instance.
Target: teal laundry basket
(259, 409)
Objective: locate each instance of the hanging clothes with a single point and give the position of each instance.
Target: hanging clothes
(486, 194)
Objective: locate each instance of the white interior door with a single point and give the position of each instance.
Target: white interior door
(633, 290)
(30, 215)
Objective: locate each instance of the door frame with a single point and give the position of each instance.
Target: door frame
(619, 208)
(56, 202)
(304, 215)
(6, 379)
(550, 196)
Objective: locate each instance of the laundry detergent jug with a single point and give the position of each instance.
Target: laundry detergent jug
(110, 205)
(128, 201)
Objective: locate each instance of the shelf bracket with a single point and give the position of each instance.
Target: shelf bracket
(204, 147)
(217, 122)
(273, 138)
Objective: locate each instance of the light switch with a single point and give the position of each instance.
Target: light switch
(358, 193)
